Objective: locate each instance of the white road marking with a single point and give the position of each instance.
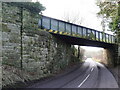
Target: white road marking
(92, 69)
(84, 80)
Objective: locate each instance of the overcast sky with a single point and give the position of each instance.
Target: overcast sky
(85, 9)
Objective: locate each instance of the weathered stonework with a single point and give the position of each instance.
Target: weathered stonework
(109, 58)
(44, 52)
(37, 52)
(11, 14)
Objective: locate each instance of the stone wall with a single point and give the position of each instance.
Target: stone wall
(29, 53)
(11, 36)
(111, 56)
(108, 57)
(43, 53)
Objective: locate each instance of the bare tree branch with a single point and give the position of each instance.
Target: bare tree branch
(73, 18)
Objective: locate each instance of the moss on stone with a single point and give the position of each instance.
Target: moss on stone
(5, 28)
(42, 54)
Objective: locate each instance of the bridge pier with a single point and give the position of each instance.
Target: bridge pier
(119, 53)
(110, 56)
(116, 57)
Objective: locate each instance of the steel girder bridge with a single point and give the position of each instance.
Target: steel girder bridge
(76, 34)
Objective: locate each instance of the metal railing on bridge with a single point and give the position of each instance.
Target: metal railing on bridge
(66, 28)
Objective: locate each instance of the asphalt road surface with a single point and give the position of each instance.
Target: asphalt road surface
(90, 75)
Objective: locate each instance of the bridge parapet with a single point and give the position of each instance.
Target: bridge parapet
(65, 28)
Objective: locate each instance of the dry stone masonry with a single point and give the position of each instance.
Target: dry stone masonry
(29, 53)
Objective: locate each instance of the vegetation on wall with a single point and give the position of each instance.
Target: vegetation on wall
(33, 7)
(110, 13)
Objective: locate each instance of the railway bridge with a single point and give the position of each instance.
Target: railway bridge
(79, 35)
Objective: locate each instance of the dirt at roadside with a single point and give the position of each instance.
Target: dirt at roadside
(21, 79)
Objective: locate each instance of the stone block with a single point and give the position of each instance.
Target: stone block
(42, 54)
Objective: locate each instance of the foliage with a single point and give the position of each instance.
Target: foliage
(34, 7)
(109, 13)
(114, 24)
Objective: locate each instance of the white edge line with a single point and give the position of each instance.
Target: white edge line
(84, 80)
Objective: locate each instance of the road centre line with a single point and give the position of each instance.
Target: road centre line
(84, 80)
(92, 69)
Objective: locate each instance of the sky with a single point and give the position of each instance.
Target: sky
(86, 10)
(88, 48)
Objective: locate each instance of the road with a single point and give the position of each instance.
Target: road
(90, 75)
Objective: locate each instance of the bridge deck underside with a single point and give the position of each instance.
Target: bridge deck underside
(82, 41)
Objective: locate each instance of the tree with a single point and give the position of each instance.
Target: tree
(110, 13)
